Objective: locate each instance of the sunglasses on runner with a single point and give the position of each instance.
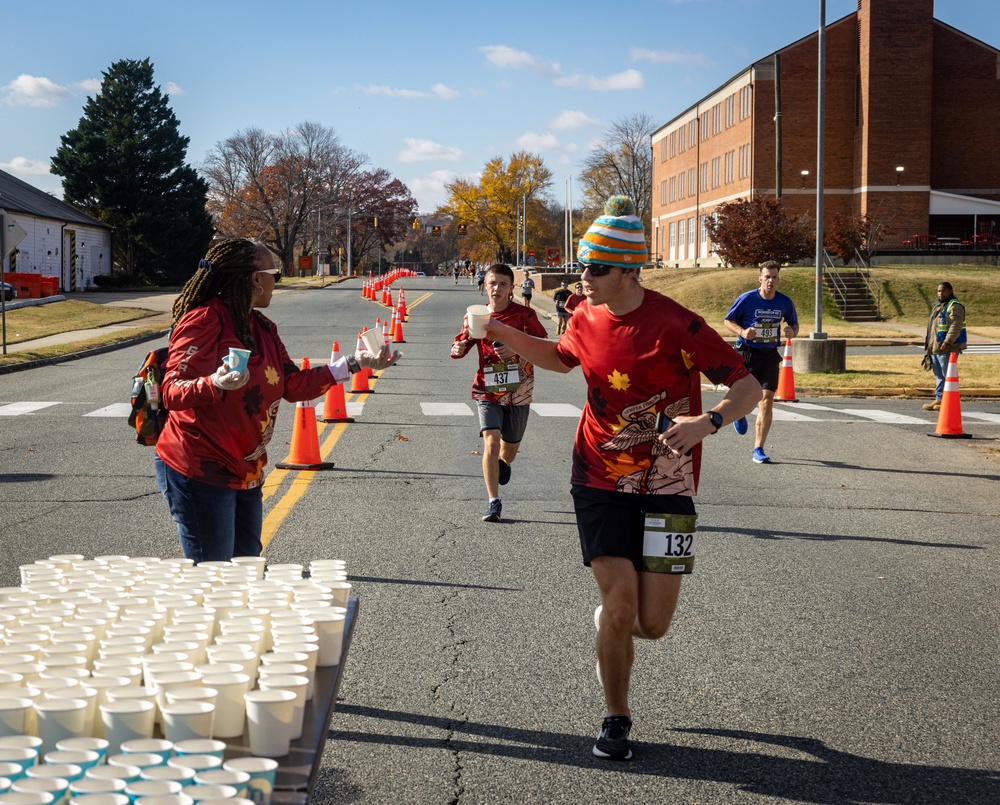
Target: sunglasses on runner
(598, 269)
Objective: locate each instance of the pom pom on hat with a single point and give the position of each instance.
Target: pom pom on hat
(616, 238)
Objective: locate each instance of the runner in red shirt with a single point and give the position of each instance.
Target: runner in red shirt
(633, 484)
(502, 399)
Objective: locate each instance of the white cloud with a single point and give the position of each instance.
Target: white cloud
(627, 79)
(383, 89)
(437, 91)
(173, 89)
(445, 92)
(429, 191)
(425, 150)
(29, 90)
(570, 119)
(22, 166)
(538, 142)
(89, 85)
(508, 57)
(670, 57)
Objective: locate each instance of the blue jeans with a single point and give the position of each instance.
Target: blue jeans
(214, 523)
(939, 365)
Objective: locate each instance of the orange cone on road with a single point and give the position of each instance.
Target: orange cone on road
(949, 424)
(397, 329)
(402, 306)
(304, 454)
(335, 403)
(786, 376)
(386, 338)
(359, 380)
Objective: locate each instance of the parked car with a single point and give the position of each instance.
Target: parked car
(9, 292)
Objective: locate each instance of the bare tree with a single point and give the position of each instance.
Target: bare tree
(622, 163)
(286, 189)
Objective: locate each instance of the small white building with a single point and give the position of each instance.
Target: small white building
(61, 241)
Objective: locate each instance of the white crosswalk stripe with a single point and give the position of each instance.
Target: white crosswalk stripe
(114, 410)
(982, 417)
(557, 409)
(445, 409)
(24, 408)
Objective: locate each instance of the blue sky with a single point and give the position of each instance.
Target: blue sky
(428, 90)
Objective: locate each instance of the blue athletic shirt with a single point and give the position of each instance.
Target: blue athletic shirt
(753, 310)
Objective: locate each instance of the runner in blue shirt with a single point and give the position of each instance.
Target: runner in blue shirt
(755, 319)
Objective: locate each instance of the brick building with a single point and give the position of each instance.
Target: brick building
(912, 111)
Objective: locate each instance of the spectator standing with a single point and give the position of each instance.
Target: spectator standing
(211, 454)
(945, 334)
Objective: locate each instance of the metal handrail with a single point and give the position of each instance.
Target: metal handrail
(871, 284)
(838, 286)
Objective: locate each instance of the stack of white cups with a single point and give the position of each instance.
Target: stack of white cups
(110, 649)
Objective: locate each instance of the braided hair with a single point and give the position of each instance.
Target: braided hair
(224, 273)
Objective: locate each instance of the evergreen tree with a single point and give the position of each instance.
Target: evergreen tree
(124, 165)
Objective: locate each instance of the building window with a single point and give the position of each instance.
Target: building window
(703, 177)
(716, 168)
(731, 110)
(745, 161)
(681, 185)
(692, 235)
(703, 125)
(682, 140)
(673, 235)
(692, 134)
(704, 230)
(717, 118)
(663, 150)
(673, 144)
(673, 189)
(745, 102)
(663, 192)
(680, 238)
(692, 178)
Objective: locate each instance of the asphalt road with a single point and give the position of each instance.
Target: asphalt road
(837, 643)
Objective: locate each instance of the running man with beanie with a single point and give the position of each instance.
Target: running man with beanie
(642, 355)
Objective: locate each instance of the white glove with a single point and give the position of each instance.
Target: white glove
(229, 381)
(383, 360)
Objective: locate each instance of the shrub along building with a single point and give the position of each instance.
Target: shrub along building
(62, 242)
(912, 108)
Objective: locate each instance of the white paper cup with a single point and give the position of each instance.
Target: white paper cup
(166, 799)
(195, 763)
(126, 720)
(14, 714)
(209, 793)
(262, 772)
(269, 721)
(84, 758)
(311, 650)
(478, 316)
(140, 760)
(152, 788)
(149, 746)
(107, 798)
(373, 341)
(127, 773)
(237, 779)
(87, 785)
(27, 798)
(56, 786)
(65, 771)
(98, 745)
(183, 721)
(60, 718)
(330, 629)
(200, 746)
(230, 709)
(298, 686)
(167, 772)
(238, 359)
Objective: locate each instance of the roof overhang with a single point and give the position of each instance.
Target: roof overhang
(942, 203)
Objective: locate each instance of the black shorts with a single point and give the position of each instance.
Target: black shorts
(611, 523)
(763, 364)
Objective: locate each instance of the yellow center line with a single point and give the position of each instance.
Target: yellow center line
(300, 483)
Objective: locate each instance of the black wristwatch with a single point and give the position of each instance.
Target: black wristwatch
(352, 364)
(716, 419)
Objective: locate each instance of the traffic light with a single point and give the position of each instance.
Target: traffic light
(461, 230)
(376, 222)
(435, 231)
(416, 223)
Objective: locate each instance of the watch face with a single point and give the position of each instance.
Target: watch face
(716, 418)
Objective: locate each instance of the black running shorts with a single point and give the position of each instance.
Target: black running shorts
(763, 364)
(611, 523)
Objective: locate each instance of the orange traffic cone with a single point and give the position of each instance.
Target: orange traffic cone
(359, 380)
(786, 377)
(402, 306)
(388, 299)
(305, 438)
(334, 403)
(385, 332)
(397, 329)
(949, 424)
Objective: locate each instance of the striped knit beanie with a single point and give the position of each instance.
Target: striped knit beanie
(615, 238)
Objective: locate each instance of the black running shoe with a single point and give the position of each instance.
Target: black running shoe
(492, 514)
(612, 740)
(504, 472)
